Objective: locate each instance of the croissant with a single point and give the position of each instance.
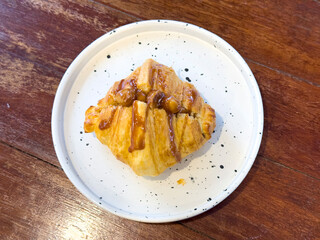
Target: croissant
(151, 119)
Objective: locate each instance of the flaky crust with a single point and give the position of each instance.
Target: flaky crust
(151, 119)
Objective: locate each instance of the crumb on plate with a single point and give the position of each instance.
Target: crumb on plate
(181, 181)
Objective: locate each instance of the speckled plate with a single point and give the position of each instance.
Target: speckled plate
(211, 174)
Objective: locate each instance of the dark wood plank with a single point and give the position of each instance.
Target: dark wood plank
(27, 93)
(37, 201)
(292, 124)
(291, 113)
(54, 32)
(281, 34)
(273, 202)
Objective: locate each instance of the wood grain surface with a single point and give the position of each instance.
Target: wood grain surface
(280, 40)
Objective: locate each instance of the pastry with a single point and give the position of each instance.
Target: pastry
(151, 119)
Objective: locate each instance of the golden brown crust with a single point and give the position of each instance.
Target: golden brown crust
(151, 119)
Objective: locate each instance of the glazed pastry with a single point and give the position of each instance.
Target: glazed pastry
(151, 119)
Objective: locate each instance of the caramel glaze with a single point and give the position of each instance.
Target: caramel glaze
(138, 126)
(127, 93)
(121, 85)
(194, 95)
(173, 147)
(157, 99)
(154, 75)
(161, 79)
(141, 96)
(106, 123)
(191, 97)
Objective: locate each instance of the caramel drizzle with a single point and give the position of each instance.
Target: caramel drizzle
(106, 123)
(173, 147)
(138, 130)
(159, 100)
(121, 85)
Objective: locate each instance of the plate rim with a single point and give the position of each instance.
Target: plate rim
(57, 123)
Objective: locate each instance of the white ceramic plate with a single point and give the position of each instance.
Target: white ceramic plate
(212, 173)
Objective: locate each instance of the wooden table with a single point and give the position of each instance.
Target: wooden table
(280, 40)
